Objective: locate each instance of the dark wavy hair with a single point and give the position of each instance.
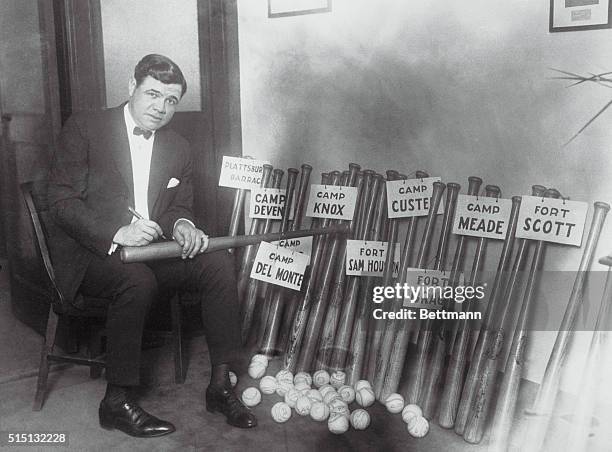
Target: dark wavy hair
(160, 68)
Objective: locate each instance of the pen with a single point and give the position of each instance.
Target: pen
(140, 217)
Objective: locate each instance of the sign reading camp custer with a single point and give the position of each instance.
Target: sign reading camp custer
(479, 216)
(332, 201)
(241, 173)
(410, 197)
(279, 266)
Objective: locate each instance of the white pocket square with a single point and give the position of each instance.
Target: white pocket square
(173, 183)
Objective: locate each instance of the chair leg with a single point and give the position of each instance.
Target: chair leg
(94, 350)
(43, 369)
(177, 340)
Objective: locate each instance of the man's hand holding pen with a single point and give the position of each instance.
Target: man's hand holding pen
(139, 233)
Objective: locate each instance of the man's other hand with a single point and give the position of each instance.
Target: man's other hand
(192, 239)
(138, 233)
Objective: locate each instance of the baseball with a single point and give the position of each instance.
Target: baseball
(291, 397)
(281, 412)
(251, 396)
(411, 410)
(314, 395)
(339, 406)
(319, 411)
(320, 378)
(331, 395)
(282, 387)
(233, 378)
(263, 359)
(418, 426)
(347, 393)
(302, 376)
(360, 419)
(337, 379)
(268, 384)
(301, 385)
(284, 375)
(394, 403)
(256, 370)
(338, 423)
(365, 397)
(325, 389)
(302, 406)
(362, 384)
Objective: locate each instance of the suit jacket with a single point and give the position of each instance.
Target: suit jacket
(91, 187)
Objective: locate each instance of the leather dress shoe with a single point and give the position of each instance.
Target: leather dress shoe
(224, 400)
(130, 418)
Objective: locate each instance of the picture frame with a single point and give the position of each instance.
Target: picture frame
(575, 15)
(287, 8)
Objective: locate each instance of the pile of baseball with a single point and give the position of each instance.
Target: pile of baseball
(324, 397)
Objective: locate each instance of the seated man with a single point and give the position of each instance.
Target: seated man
(120, 178)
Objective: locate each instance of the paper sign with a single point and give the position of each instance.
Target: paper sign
(267, 203)
(410, 197)
(332, 201)
(367, 258)
(427, 288)
(237, 172)
(299, 245)
(482, 216)
(552, 220)
(279, 266)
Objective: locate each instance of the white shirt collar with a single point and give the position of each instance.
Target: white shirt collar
(130, 123)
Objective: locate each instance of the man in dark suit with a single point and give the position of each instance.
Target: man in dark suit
(106, 163)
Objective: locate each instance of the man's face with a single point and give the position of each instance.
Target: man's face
(153, 103)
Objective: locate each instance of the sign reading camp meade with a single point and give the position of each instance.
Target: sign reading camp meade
(279, 266)
(482, 216)
(299, 245)
(267, 203)
(331, 201)
(552, 220)
(237, 172)
(367, 258)
(410, 197)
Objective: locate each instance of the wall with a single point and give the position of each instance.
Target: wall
(139, 27)
(457, 88)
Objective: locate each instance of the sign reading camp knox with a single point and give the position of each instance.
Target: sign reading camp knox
(427, 288)
(241, 173)
(279, 266)
(299, 245)
(332, 201)
(367, 258)
(552, 220)
(482, 216)
(410, 197)
(267, 203)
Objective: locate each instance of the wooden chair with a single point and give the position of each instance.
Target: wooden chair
(60, 307)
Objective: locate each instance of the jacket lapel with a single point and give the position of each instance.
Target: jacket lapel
(120, 149)
(160, 168)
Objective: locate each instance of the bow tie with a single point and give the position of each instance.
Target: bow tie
(146, 134)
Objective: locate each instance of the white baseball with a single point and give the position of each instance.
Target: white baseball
(418, 426)
(302, 406)
(319, 411)
(263, 359)
(251, 396)
(337, 379)
(302, 376)
(331, 395)
(394, 403)
(256, 370)
(314, 395)
(362, 384)
(338, 423)
(284, 375)
(233, 378)
(325, 389)
(268, 384)
(347, 393)
(282, 387)
(301, 385)
(291, 397)
(281, 412)
(411, 410)
(320, 378)
(339, 406)
(365, 397)
(360, 419)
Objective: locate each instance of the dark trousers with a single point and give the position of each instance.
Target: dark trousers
(132, 288)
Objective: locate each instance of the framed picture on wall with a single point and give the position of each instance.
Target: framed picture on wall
(285, 8)
(573, 15)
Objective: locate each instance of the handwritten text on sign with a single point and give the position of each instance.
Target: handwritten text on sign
(552, 220)
(299, 245)
(279, 266)
(241, 173)
(331, 201)
(427, 288)
(367, 258)
(482, 216)
(267, 203)
(410, 197)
